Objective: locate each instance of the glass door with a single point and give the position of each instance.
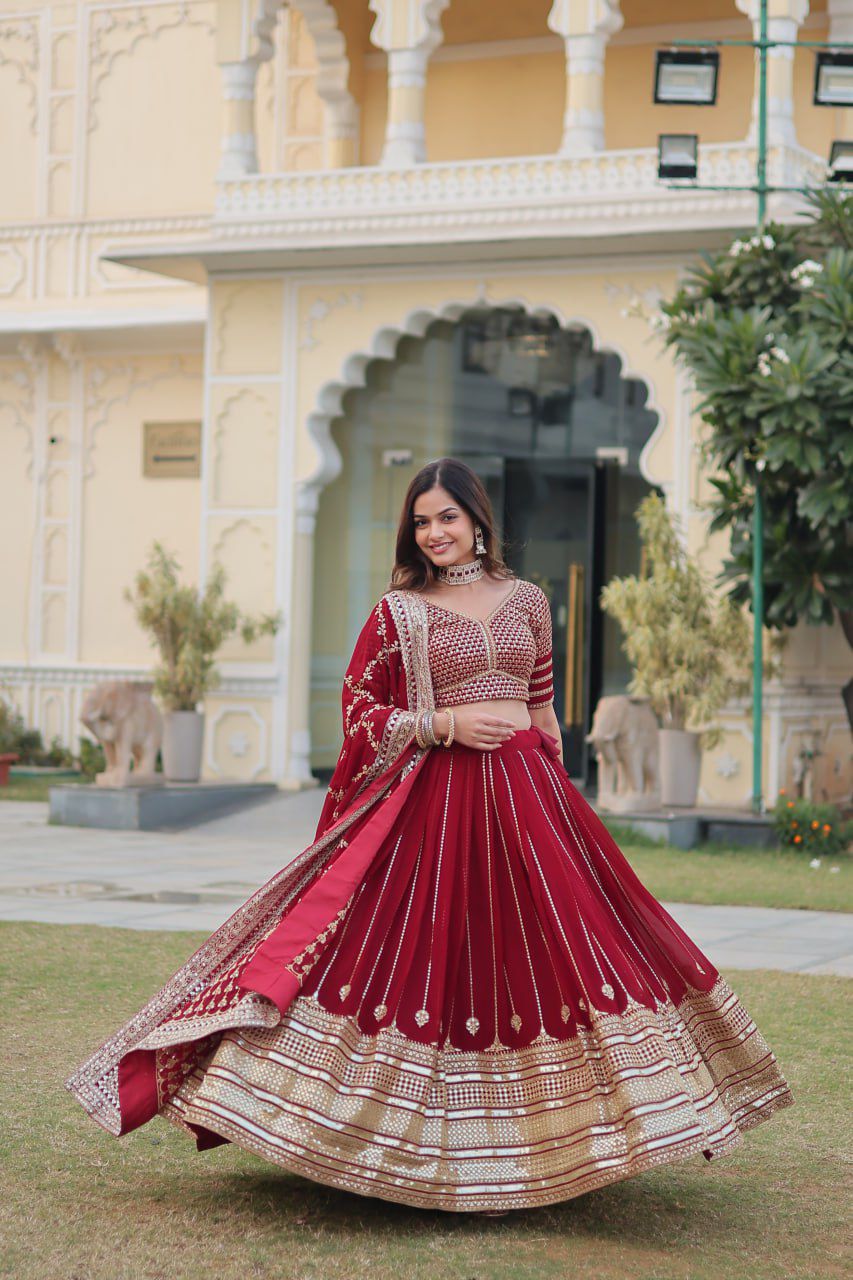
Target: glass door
(549, 515)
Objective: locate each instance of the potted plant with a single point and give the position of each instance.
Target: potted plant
(188, 627)
(688, 650)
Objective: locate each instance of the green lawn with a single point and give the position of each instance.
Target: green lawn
(25, 787)
(743, 877)
(81, 1205)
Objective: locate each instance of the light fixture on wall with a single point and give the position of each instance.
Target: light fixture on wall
(833, 79)
(840, 162)
(678, 155)
(686, 76)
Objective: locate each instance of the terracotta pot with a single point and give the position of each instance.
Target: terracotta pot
(183, 735)
(680, 760)
(7, 758)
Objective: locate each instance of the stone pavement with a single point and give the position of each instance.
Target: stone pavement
(195, 879)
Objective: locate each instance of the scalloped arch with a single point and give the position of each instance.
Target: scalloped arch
(384, 344)
(321, 21)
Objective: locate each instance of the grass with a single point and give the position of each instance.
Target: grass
(23, 787)
(80, 1205)
(743, 877)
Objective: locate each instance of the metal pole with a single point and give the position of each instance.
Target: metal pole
(758, 513)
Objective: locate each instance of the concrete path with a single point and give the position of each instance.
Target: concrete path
(195, 879)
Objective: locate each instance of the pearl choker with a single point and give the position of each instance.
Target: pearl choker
(456, 575)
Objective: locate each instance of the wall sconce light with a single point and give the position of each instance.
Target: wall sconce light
(687, 77)
(833, 80)
(678, 155)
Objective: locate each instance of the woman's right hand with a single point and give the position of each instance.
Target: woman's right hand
(475, 728)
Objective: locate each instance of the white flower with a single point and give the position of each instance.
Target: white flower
(738, 247)
(815, 862)
(806, 272)
(833, 869)
(780, 355)
(768, 242)
(764, 364)
(807, 267)
(660, 322)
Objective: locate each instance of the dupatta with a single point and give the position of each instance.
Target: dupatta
(250, 969)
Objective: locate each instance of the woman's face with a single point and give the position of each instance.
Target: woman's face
(443, 530)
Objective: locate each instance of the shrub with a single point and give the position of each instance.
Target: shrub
(810, 827)
(689, 651)
(11, 728)
(92, 758)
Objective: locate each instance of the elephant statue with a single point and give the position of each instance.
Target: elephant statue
(123, 717)
(624, 735)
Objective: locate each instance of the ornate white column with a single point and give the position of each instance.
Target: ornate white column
(585, 27)
(784, 19)
(841, 29)
(340, 131)
(243, 41)
(239, 152)
(408, 31)
(299, 773)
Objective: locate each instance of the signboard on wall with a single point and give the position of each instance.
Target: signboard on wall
(171, 449)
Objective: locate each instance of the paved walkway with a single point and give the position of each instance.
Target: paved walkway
(194, 879)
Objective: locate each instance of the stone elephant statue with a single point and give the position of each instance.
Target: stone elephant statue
(624, 735)
(123, 717)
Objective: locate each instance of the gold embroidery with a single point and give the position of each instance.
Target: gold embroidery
(461, 1129)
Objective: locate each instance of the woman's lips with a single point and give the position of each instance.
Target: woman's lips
(445, 546)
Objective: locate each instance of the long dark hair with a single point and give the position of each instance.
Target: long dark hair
(412, 569)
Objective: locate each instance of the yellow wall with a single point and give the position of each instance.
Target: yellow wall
(123, 511)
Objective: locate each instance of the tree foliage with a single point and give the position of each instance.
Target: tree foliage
(689, 651)
(188, 627)
(765, 330)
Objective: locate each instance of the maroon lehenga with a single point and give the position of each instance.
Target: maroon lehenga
(460, 996)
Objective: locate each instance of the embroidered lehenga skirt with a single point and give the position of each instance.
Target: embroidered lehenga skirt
(501, 1016)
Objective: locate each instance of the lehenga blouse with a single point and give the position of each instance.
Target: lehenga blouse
(507, 654)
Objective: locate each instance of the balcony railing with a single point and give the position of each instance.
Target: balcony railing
(605, 193)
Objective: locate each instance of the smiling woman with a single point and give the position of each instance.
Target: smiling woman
(460, 996)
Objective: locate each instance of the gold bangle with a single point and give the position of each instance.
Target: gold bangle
(447, 741)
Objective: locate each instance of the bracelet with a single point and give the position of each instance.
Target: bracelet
(424, 731)
(450, 716)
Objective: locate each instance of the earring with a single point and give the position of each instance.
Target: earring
(479, 546)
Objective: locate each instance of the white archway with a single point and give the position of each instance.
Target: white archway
(383, 346)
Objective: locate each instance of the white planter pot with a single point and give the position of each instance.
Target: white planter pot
(680, 760)
(183, 734)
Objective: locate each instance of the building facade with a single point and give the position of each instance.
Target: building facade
(260, 261)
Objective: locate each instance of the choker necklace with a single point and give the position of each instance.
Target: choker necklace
(456, 575)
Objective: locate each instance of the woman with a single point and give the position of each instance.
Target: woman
(460, 996)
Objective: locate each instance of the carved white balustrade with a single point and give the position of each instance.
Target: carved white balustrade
(610, 192)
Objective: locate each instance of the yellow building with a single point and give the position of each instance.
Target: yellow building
(310, 246)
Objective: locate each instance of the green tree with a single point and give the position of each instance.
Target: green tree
(188, 627)
(765, 330)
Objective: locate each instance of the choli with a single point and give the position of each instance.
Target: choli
(507, 654)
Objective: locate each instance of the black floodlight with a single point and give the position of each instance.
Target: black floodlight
(841, 162)
(833, 80)
(687, 77)
(678, 155)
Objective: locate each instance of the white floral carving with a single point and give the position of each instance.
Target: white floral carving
(19, 49)
(116, 33)
(728, 766)
(323, 307)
